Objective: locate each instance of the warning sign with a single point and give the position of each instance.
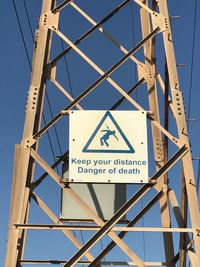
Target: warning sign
(108, 138)
(108, 147)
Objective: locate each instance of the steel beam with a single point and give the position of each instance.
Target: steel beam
(85, 35)
(154, 19)
(108, 225)
(24, 167)
(177, 98)
(104, 263)
(105, 76)
(159, 149)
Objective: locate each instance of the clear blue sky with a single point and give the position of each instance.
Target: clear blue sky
(15, 74)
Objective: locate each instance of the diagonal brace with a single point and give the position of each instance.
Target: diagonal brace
(66, 154)
(54, 218)
(107, 227)
(96, 83)
(61, 6)
(90, 31)
(86, 208)
(118, 215)
(130, 224)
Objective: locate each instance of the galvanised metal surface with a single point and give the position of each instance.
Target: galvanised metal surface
(105, 88)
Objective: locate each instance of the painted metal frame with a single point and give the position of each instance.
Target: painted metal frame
(154, 20)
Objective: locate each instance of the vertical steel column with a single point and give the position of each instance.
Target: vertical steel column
(156, 134)
(24, 166)
(178, 101)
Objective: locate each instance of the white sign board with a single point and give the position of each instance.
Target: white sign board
(108, 147)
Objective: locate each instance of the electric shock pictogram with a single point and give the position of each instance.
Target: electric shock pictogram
(108, 137)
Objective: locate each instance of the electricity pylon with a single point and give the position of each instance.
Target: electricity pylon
(155, 22)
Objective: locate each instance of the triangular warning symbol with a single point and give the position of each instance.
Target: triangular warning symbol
(108, 137)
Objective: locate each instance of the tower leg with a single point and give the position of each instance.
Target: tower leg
(24, 165)
(156, 134)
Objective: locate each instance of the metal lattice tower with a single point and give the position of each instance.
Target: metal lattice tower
(30, 156)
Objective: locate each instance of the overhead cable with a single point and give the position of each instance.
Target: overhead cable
(48, 100)
(192, 63)
(21, 32)
(29, 63)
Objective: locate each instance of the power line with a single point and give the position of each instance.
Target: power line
(71, 90)
(21, 32)
(67, 69)
(133, 41)
(28, 18)
(43, 117)
(55, 129)
(50, 143)
(32, 35)
(29, 62)
(48, 100)
(135, 72)
(191, 76)
(192, 62)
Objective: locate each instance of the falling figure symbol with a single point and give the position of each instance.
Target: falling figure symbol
(106, 136)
